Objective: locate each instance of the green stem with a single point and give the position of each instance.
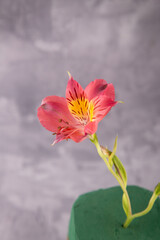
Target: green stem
(130, 216)
(94, 139)
(142, 213)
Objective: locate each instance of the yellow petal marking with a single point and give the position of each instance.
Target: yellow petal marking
(91, 109)
(81, 109)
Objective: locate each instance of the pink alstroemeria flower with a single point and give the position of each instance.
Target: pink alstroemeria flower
(77, 116)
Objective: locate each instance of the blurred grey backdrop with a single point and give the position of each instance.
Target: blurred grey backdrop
(40, 41)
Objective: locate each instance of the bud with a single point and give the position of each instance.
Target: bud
(105, 151)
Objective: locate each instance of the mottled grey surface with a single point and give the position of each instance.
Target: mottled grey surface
(40, 40)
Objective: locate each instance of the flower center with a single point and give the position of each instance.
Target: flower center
(81, 109)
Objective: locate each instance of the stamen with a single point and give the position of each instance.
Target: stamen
(63, 121)
(81, 108)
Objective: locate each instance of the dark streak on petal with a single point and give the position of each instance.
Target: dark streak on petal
(68, 99)
(103, 87)
(44, 106)
(75, 93)
(96, 107)
(71, 95)
(71, 104)
(77, 118)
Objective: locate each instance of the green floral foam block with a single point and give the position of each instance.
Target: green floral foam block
(99, 215)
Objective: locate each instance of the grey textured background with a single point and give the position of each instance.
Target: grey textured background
(40, 40)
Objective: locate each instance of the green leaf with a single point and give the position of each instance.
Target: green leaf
(113, 152)
(114, 160)
(119, 169)
(157, 189)
(125, 204)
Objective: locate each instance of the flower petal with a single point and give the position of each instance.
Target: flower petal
(91, 127)
(102, 105)
(54, 114)
(102, 98)
(99, 87)
(74, 90)
(78, 104)
(76, 134)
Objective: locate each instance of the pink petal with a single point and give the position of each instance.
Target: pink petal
(103, 97)
(91, 127)
(58, 139)
(102, 105)
(78, 136)
(54, 113)
(99, 87)
(74, 90)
